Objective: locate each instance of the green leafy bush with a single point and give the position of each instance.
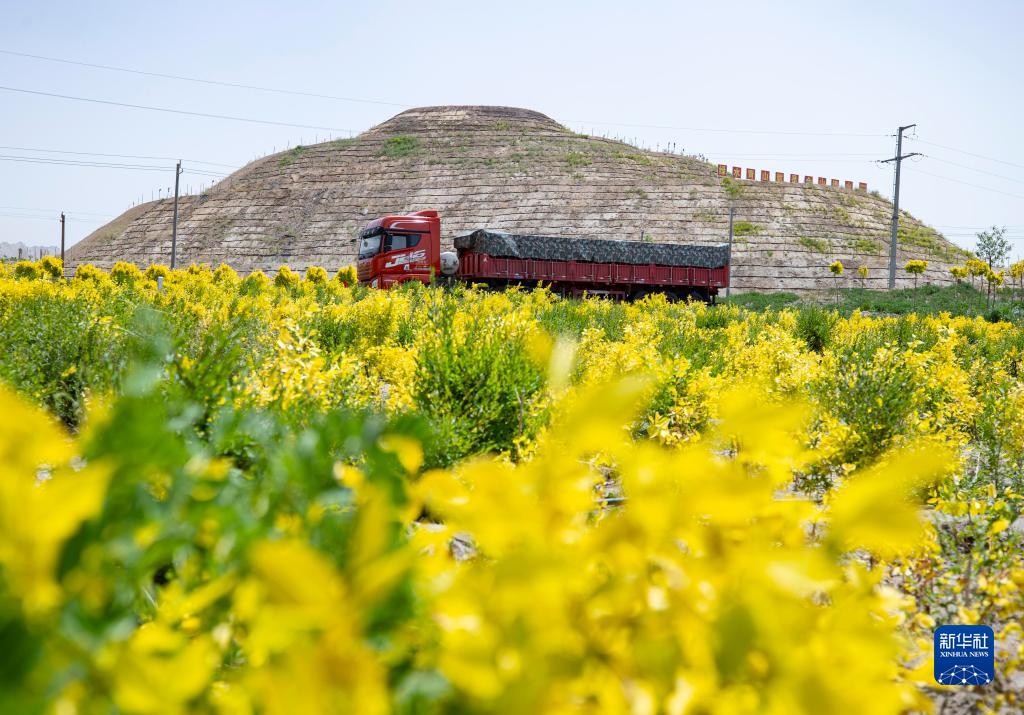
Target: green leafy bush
(347, 276)
(28, 270)
(286, 278)
(125, 273)
(254, 282)
(316, 275)
(52, 267)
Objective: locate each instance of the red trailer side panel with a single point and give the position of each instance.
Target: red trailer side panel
(481, 267)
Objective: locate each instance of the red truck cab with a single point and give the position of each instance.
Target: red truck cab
(396, 249)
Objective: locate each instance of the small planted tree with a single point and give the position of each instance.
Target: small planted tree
(993, 246)
(994, 280)
(975, 268)
(836, 269)
(915, 268)
(862, 273)
(1017, 273)
(959, 273)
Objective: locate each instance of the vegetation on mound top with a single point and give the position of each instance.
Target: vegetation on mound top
(634, 156)
(291, 155)
(400, 147)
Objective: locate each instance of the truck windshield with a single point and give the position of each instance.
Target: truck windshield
(369, 246)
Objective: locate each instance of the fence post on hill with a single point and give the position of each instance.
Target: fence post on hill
(728, 284)
(174, 225)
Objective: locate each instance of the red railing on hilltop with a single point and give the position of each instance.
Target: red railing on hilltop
(780, 178)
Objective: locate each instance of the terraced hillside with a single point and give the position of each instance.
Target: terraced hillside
(515, 169)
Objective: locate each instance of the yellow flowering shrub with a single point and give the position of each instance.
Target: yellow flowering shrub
(219, 496)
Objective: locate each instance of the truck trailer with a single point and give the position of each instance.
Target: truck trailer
(397, 249)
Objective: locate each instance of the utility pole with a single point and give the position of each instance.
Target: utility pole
(174, 225)
(900, 156)
(62, 239)
(728, 285)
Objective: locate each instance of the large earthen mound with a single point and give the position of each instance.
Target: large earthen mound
(519, 171)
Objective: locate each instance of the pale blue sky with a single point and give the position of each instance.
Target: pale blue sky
(847, 68)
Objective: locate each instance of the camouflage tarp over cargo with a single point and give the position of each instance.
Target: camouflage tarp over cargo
(561, 248)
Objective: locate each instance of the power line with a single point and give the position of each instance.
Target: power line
(982, 228)
(318, 95)
(104, 165)
(44, 218)
(198, 80)
(968, 153)
(783, 132)
(971, 168)
(802, 161)
(201, 172)
(172, 111)
(798, 155)
(77, 162)
(967, 183)
(54, 211)
(116, 156)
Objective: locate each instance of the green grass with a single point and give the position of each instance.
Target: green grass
(814, 244)
(633, 156)
(399, 147)
(956, 300)
(926, 300)
(576, 159)
(929, 240)
(840, 214)
(866, 245)
(746, 228)
(762, 301)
